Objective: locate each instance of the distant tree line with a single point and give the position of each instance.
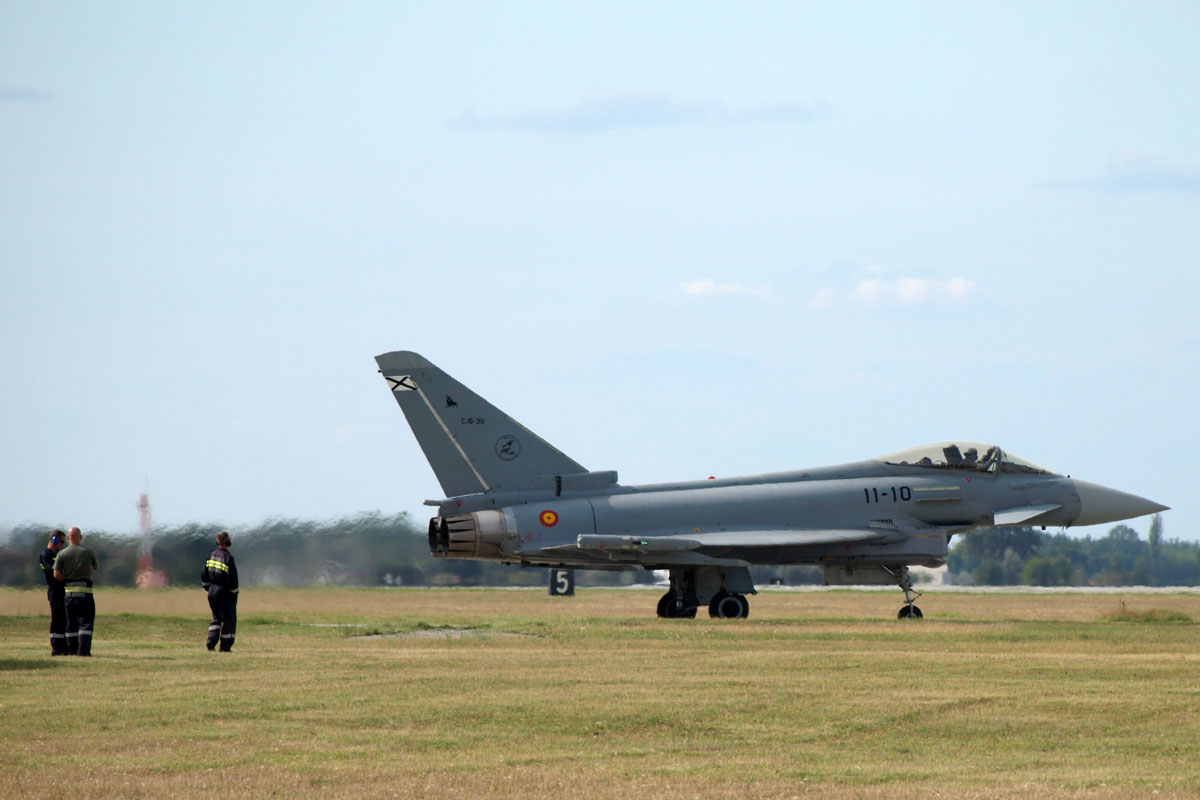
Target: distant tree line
(376, 549)
(370, 549)
(1025, 556)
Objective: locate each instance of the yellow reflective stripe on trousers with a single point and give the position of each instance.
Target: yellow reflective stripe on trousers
(81, 589)
(214, 564)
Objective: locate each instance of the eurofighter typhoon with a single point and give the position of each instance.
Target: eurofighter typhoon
(514, 498)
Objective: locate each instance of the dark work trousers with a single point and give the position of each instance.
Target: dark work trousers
(58, 620)
(81, 615)
(224, 622)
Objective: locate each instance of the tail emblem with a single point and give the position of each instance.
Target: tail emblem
(508, 447)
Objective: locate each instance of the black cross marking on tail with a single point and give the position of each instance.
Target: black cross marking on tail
(402, 383)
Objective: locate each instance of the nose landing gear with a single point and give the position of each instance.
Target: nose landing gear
(904, 580)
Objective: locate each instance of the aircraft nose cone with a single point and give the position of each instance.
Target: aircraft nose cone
(1099, 504)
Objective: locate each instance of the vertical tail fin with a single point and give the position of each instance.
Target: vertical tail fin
(472, 445)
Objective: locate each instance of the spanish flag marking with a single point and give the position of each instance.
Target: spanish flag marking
(549, 518)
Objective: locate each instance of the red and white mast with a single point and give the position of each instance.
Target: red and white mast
(147, 576)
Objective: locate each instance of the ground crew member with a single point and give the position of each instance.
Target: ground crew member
(220, 578)
(74, 566)
(55, 594)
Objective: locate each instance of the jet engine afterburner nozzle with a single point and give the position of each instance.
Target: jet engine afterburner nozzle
(478, 535)
(435, 540)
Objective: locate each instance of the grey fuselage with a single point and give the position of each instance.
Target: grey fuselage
(730, 521)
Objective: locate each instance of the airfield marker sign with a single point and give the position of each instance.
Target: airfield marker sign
(562, 583)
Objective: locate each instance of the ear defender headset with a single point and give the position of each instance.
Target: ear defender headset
(56, 539)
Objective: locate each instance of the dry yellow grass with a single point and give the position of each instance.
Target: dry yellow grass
(816, 695)
(791, 606)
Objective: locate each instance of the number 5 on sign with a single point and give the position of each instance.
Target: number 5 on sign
(562, 583)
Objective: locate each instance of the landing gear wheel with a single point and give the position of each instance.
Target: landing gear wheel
(667, 608)
(904, 580)
(729, 606)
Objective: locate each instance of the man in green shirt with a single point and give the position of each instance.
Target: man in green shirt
(74, 566)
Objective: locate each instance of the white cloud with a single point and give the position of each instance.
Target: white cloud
(871, 290)
(878, 291)
(911, 291)
(707, 287)
(1139, 174)
(959, 288)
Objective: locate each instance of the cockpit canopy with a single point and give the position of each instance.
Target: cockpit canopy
(966, 456)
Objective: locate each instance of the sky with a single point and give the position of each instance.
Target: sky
(675, 240)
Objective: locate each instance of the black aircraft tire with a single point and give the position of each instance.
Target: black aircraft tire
(689, 613)
(665, 604)
(728, 606)
(715, 603)
(910, 612)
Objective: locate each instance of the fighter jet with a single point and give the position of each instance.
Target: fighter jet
(514, 498)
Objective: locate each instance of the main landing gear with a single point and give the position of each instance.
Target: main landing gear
(722, 606)
(729, 606)
(723, 589)
(669, 608)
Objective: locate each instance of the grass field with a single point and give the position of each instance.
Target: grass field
(816, 695)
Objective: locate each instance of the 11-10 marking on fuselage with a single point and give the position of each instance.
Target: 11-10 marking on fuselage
(902, 493)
